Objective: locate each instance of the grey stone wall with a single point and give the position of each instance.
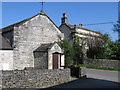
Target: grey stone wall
(41, 60)
(6, 59)
(28, 36)
(67, 33)
(103, 63)
(35, 78)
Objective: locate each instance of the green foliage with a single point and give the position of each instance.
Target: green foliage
(100, 48)
(110, 50)
(78, 50)
(104, 49)
(74, 53)
(115, 51)
(95, 48)
(80, 65)
(69, 53)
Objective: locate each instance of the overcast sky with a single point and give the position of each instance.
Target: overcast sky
(77, 13)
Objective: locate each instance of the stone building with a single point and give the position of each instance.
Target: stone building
(86, 37)
(21, 43)
(69, 30)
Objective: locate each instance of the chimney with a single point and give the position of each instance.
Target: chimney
(64, 19)
(64, 14)
(75, 27)
(80, 25)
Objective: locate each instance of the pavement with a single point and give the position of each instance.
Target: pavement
(95, 79)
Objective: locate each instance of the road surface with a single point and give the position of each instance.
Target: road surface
(103, 74)
(95, 79)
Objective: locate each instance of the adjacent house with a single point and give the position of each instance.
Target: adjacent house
(86, 37)
(81, 32)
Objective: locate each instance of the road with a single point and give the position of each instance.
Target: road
(95, 79)
(103, 74)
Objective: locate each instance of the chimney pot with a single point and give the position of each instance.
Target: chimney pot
(64, 19)
(80, 25)
(64, 14)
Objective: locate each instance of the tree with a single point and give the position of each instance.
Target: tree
(116, 51)
(78, 50)
(99, 48)
(69, 53)
(73, 53)
(94, 45)
(117, 26)
(107, 50)
(103, 48)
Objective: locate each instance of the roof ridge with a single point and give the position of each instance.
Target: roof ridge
(82, 28)
(41, 13)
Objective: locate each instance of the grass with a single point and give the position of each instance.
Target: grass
(103, 68)
(82, 65)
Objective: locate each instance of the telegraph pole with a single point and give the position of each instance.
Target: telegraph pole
(117, 26)
(119, 12)
(119, 21)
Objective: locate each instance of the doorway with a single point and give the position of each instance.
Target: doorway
(55, 60)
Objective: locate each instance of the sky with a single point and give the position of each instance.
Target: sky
(77, 13)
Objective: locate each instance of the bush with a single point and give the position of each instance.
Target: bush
(69, 53)
(103, 48)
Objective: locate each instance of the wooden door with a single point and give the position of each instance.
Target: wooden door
(55, 61)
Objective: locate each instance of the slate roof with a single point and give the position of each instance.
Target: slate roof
(44, 47)
(73, 26)
(4, 44)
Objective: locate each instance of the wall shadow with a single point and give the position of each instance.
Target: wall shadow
(87, 83)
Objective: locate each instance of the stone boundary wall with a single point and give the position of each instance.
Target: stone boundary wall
(35, 78)
(103, 63)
